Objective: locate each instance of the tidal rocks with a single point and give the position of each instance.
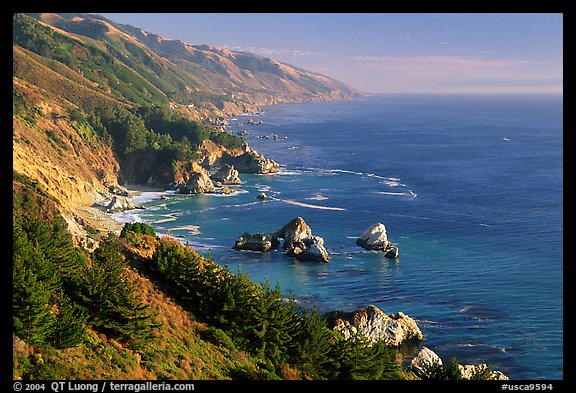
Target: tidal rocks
(226, 191)
(300, 243)
(469, 371)
(256, 242)
(376, 238)
(227, 174)
(121, 203)
(375, 325)
(250, 162)
(262, 196)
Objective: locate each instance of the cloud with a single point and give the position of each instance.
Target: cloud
(272, 52)
(437, 63)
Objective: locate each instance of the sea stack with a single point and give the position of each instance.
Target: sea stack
(300, 243)
(376, 238)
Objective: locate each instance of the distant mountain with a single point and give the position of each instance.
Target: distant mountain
(130, 64)
(97, 104)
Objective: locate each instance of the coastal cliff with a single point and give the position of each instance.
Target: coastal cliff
(99, 105)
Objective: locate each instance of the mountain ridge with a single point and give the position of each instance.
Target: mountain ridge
(82, 83)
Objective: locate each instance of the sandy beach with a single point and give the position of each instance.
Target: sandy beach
(96, 217)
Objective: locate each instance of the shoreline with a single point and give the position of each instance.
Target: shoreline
(95, 218)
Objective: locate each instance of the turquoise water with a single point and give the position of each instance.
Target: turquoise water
(469, 188)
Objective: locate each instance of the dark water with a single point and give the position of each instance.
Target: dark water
(469, 188)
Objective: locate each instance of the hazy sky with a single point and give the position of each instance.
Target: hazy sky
(389, 52)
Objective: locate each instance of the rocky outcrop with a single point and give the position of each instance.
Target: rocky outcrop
(424, 362)
(256, 242)
(121, 203)
(250, 162)
(227, 174)
(469, 371)
(193, 179)
(375, 325)
(376, 238)
(226, 191)
(300, 243)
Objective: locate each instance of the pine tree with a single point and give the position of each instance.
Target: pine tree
(313, 342)
(32, 320)
(273, 326)
(69, 329)
(111, 300)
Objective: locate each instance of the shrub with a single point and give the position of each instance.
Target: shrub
(137, 227)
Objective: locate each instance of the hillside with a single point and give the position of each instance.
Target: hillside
(98, 106)
(206, 81)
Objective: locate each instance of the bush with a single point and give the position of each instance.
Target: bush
(219, 337)
(138, 228)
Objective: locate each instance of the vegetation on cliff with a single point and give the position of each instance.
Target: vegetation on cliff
(68, 301)
(96, 104)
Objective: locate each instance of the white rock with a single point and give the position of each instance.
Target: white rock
(424, 361)
(374, 238)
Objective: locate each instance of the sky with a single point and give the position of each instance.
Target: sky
(388, 52)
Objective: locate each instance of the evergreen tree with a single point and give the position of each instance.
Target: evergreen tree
(111, 300)
(69, 329)
(313, 342)
(273, 326)
(32, 320)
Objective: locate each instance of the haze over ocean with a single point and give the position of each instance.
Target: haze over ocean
(470, 188)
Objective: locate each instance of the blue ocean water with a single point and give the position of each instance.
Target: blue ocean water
(469, 188)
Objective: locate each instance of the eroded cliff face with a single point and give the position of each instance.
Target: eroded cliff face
(62, 155)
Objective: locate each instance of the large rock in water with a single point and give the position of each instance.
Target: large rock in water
(256, 242)
(121, 203)
(376, 238)
(226, 175)
(375, 325)
(300, 243)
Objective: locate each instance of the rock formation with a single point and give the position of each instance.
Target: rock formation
(424, 362)
(227, 174)
(256, 242)
(197, 183)
(121, 203)
(300, 243)
(468, 371)
(375, 325)
(250, 162)
(376, 238)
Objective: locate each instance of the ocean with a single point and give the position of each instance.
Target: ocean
(469, 187)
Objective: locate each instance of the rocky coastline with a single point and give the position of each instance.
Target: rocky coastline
(211, 175)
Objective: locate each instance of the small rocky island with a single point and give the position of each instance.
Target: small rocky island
(376, 238)
(299, 242)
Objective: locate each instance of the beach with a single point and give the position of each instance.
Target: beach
(95, 217)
